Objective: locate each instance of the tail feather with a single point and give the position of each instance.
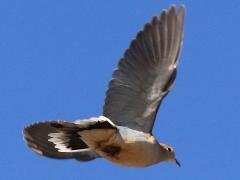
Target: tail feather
(89, 131)
(63, 140)
(66, 139)
(38, 138)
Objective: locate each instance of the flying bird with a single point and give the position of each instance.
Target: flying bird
(123, 133)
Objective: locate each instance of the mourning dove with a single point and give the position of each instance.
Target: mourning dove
(123, 134)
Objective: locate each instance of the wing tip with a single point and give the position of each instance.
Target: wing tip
(181, 10)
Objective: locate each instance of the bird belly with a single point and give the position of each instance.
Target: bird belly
(130, 153)
(128, 148)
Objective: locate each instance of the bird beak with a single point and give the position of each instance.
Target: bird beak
(177, 162)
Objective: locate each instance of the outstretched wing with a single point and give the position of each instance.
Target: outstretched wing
(146, 72)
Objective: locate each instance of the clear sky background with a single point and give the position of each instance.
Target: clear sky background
(56, 58)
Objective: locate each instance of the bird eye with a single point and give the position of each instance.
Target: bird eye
(169, 149)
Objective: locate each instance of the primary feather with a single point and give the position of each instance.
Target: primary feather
(146, 72)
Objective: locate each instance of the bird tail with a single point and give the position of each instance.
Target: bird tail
(62, 140)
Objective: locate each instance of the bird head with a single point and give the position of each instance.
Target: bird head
(169, 154)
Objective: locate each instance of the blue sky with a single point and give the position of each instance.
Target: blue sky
(56, 58)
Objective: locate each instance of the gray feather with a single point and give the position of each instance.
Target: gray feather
(146, 72)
